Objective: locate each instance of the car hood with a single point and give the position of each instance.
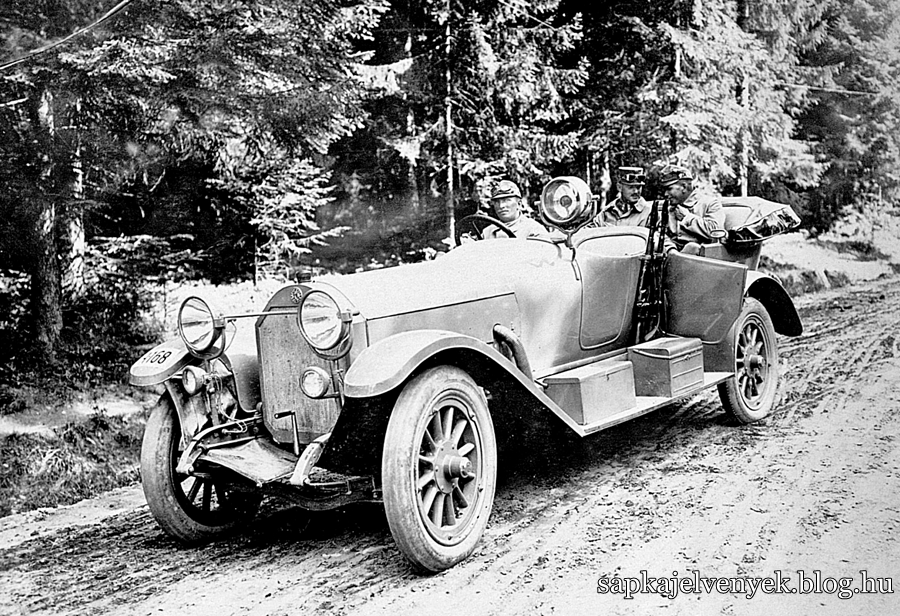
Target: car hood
(468, 273)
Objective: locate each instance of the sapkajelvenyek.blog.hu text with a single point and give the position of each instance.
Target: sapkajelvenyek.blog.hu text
(693, 583)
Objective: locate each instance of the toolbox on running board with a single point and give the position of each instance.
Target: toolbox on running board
(591, 393)
(667, 367)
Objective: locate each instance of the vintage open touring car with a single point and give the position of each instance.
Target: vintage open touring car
(387, 385)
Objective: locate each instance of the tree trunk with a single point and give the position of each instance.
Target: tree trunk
(72, 237)
(46, 309)
(605, 180)
(744, 140)
(73, 247)
(45, 284)
(743, 17)
(450, 206)
(412, 182)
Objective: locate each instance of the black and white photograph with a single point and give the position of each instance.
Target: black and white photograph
(429, 307)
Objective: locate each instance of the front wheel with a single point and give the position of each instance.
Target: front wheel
(191, 508)
(750, 394)
(439, 468)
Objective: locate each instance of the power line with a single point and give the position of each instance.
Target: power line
(832, 90)
(35, 52)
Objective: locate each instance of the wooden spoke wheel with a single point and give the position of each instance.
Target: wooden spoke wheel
(439, 468)
(750, 394)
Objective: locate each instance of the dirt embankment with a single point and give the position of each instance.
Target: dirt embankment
(813, 487)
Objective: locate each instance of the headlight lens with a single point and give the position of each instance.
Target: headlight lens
(193, 379)
(565, 200)
(197, 325)
(320, 321)
(315, 382)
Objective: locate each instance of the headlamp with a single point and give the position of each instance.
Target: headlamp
(199, 327)
(322, 322)
(193, 379)
(315, 382)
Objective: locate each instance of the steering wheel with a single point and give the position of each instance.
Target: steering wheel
(478, 223)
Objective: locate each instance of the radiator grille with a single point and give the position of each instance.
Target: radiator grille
(283, 355)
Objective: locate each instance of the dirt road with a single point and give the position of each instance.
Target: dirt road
(677, 493)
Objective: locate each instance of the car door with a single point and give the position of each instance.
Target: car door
(703, 296)
(609, 261)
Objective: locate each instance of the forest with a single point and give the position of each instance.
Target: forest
(149, 141)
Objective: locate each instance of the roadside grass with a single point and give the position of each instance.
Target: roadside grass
(78, 460)
(798, 281)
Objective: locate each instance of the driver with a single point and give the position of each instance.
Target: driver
(506, 200)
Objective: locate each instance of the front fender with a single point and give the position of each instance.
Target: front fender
(167, 359)
(375, 377)
(389, 362)
(777, 302)
(159, 363)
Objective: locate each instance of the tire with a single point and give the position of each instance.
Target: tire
(191, 508)
(431, 475)
(750, 394)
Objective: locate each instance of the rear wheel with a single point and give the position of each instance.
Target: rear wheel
(750, 395)
(191, 508)
(439, 468)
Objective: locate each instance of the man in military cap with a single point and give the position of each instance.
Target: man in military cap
(694, 218)
(629, 207)
(506, 201)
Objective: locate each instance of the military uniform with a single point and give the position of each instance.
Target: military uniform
(637, 215)
(506, 199)
(703, 219)
(523, 226)
(619, 212)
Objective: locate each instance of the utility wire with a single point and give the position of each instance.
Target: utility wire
(832, 90)
(35, 52)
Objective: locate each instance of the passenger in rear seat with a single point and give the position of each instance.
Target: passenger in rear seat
(694, 218)
(629, 208)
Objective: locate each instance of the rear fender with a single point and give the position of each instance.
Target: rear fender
(777, 302)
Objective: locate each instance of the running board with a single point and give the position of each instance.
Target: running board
(645, 404)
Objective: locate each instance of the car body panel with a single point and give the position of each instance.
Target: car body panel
(532, 286)
(387, 363)
(703, 296)
(160, 363)
(474, 318)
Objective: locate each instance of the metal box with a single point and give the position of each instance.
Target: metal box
(667, 367)
(591, 393)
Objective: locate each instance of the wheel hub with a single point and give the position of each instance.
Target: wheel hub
(450, 467)
(756, 362)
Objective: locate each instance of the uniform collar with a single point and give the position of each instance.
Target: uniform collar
(640, 206)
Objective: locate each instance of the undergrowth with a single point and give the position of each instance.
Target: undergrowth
(80, 460)
(800, 281)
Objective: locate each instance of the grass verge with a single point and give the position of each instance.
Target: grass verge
(80, 460)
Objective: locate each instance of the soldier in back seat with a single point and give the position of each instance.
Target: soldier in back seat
(694, 218)
(629, 208)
